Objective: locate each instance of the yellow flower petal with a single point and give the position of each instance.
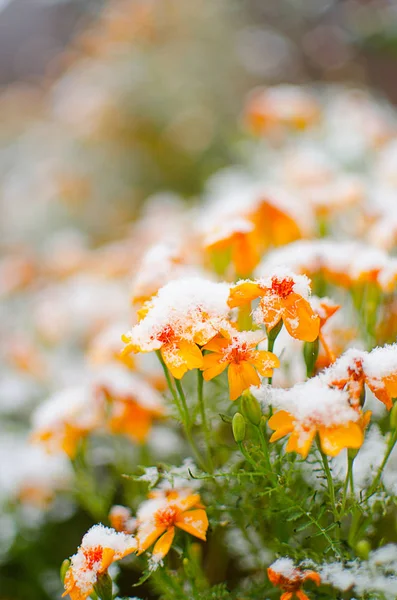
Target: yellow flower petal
(241, 376)
(194, 522)
(243, 293)
(334, 439)
(299, 318)
(162, 546)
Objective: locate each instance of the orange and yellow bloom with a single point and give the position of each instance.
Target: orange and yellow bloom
(282, 297)
(159, 516)
(290, 579)
(237, 352)
(100, 547)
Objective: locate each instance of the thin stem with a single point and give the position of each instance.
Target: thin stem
(390, 446)
(201, 403)
(246, 455)
(327, 470)
(266, 454)
(183, 400)
(182, 409)
(348, 479)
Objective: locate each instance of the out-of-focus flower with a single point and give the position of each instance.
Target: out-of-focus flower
(121, 519)
(285, 106)
(65, 419)
(283, 296)
(290, 579)
(132, 404)
(376, 369)
(159, 516)
(237, 351)
(100, 547)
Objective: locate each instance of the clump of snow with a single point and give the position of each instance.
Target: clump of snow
(284, 566)
(312, 403)
(74, 405)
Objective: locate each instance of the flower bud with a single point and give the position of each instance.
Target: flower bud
(393, 416)
(250, 408)
(363, 548)
(238, 427)
(310, 354)
(273, 333)
(64, 569)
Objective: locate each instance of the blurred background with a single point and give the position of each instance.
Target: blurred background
(103, 104)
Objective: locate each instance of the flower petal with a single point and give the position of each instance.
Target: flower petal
(270, 310)
(265, 362)
(162, 546)
(334, 439)
(243, 293)
(241, 376)
(147, 535)
(299, 319)
(301, 441)
(194, 522)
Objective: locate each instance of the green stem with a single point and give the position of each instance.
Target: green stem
(390, 446)
(182, 409)
(201, 403)
(266, 454)
(246, 455)
(327, 470)
(348, 479)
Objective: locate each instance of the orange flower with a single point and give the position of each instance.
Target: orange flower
(132, 404)
(316, 408)
(355, 377)
(237, 352)
(100, 547)
(65, 419)
(183, 315)
(290, 579)
(242, 242)
(282, 297)
(158, 517)
(121, 519)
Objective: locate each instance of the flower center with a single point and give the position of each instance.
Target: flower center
(166, 517)
(282, 287)
(237, 354)
(167, 336)
(93, 555)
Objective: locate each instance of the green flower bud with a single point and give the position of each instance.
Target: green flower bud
(393, 416)
(238, 427)
(273, 333)
(310, 354)
(363, 548)
(64, 569)
(103, 587)
(250, 408)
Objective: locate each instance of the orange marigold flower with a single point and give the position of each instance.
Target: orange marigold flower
(158, 517)
(283, 296)
(312, 408)
(184, 315)
(121, 519)
(237, 352)
(376, 369)
(65, 419)
(240, 238)
(133, 404)
(285, 106)
(100, 547)
(290, 579)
